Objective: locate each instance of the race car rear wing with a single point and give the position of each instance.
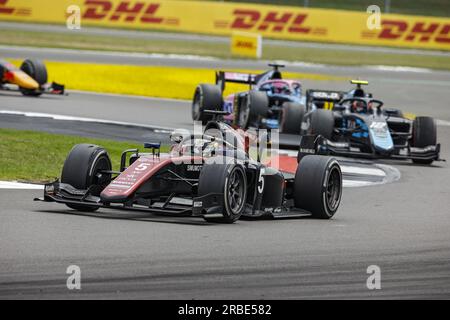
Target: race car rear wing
(325, 98)
(235, 77)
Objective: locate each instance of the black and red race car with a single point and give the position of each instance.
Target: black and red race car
(30, 79)
(210, 176)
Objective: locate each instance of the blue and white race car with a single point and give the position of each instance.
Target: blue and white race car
(355, 124)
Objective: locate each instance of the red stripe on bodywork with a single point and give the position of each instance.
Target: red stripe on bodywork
(283, 163)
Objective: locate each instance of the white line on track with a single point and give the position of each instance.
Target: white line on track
(443, 123)
(72, 118)
(357, 183)
(20, 185)
(363, 171)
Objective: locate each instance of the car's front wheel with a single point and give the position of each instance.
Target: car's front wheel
(82, 169)
(35, 69)
(424, 135)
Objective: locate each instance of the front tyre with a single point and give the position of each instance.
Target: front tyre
(424, 135)
(36, 70)
(318, 186)
(82, 170)
(229, 180)
(206, 97)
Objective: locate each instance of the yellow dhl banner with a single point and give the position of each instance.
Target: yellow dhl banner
(279, 22)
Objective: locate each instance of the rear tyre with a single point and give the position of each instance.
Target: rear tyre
(206, 97)
(292, 118)
(318, 186)
(229, 180)
(424, 135)
(252, 109)
(322, 123)
(81, 170)
(36, 70)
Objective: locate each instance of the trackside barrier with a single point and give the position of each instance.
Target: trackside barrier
(219, 18)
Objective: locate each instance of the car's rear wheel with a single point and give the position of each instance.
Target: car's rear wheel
(424, 135)
(206, 97)
(318, 186)
(36, 70)
(322, 123)
(229, 180)
(292, 118)
(253, 108)
(82, 170)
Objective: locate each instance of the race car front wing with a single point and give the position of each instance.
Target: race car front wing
(313, 144)
(48, 88)
(208, 205)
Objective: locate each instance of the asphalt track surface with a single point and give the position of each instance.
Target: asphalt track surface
(402, 227)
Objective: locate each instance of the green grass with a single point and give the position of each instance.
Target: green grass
(38, 157)
(439, 8)
(221, 50)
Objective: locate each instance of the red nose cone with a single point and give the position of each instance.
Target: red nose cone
(9, 76)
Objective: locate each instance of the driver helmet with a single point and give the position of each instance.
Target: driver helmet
(358, 106)
(359, 93)
(280, 88)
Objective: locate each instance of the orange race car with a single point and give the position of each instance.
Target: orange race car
(30, 79)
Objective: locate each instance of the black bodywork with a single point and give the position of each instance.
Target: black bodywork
(171, 187)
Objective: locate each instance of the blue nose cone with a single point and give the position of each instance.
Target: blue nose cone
(381, 137)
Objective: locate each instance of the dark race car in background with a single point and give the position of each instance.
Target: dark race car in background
(270, 103)
(355, 124)
(30, 79)
(210, 176)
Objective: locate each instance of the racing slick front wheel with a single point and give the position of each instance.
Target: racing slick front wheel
(292, 118)
(253, 108)
(230, 181)
(36, 70)
(318, 186)
(82, 169)
(424, 135)
(206, 97)
(322, 123)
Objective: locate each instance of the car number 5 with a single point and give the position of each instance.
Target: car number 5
(141, 167)
(261, 181)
